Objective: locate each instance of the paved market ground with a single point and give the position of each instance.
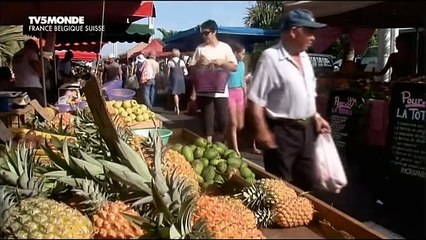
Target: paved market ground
(356, 200)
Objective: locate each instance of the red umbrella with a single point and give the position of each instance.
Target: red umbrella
(79, 55)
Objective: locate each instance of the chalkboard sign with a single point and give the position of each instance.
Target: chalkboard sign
(406, 140)
(406, 158)
(341, 109)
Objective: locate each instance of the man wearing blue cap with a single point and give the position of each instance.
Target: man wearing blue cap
(282, 102)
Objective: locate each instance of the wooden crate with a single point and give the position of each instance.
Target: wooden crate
(329, 222)
(147, 124)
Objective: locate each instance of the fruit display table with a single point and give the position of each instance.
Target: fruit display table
(16, 117)
(329, 222)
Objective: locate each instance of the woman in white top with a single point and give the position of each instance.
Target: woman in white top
(176, 75)
(27, 69)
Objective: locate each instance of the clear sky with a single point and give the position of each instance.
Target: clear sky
(182, 15)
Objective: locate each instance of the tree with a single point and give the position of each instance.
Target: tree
(11, 40)
(166, 33)
(264, 14)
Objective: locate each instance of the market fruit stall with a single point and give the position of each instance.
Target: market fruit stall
(330, 222)
(104, 181)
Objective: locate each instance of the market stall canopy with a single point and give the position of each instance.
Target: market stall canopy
(135, 49)
(367, 14)
(155, 45)
(77, 46)
(17, 12)
(79, 55)
(189, 39)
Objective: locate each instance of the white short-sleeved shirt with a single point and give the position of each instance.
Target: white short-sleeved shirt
(280, 87)
(171, 64)
(221, 51)
(25, 75)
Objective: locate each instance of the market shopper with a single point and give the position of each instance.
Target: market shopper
(282, 102)
(149, 73)
(403, 62)
(236, 100)
(65, 68)
(176, 76)
(217, 55)
(112, 70)
(27, 68)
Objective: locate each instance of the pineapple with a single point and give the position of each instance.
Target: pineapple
(262, 197)
(173, 161)
(106, 215)
(165, 202)
(293, 213)
(226, 218)
(33, 215)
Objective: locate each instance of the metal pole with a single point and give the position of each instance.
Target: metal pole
(43, 73)
(417, 50)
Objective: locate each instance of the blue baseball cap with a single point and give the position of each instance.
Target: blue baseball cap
(300, 18)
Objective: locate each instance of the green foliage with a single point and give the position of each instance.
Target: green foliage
(264, 14)
(166, 33)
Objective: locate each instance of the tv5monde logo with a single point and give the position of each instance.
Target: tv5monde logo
(61, 24)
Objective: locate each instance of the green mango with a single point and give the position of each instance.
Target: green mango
(245, 172)
(233, 155)
(227, 152)
(250, 180)
(235, 162)
(244, 164)
(221, 167)
(198, 153)
(205, 161)
(207, 183)
(216, 161)
(198, 166)
(208, 173)
(177, 147)
(219, 149)
(193, 147)
(222, 145)
(200, 142)
(200, 179)
(210, 153)
(187, 153)
(219, 179)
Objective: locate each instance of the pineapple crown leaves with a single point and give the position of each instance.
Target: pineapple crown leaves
(133, 160)
(7, 202)
(92, 192)
(124, 175)
(20, 172)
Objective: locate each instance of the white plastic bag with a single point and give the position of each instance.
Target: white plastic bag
(328, 166)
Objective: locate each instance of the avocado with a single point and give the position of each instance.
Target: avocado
(187, 153)
(210, 154)
(198, 152)
(235, 162)
(200, 142)
(198, 166)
